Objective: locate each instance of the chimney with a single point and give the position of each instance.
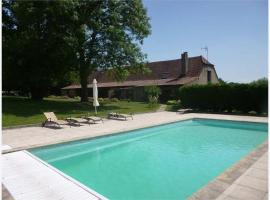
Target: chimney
(184, 63)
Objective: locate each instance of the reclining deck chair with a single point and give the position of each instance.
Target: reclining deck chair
(52, 119)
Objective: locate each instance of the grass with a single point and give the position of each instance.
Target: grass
(173, 106)
(23, 111)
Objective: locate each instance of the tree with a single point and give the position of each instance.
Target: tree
(36, 44)
(261, 81)
(107, 36)
(221, 81)
(8, 30)
(52, 38)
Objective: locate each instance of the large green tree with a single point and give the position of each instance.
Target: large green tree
(8, 33)
(45, 40)
(107, 36)
(36, 45)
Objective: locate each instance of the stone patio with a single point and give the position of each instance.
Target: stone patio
(220, 187)
(252, 185)
(24, 138)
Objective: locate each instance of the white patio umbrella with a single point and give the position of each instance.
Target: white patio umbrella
(95, 95)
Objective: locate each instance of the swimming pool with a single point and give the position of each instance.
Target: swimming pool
(169, 161)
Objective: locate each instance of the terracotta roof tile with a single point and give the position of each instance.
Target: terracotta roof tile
(162, 73)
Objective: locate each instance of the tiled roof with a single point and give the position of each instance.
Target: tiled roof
(138, 83)
(162, 73)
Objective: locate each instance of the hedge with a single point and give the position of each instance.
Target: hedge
(226, 97)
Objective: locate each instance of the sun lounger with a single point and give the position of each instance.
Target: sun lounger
(124, 116)
(93, 119)
(76, 120)
(52, 119)
(182, 111)
(114, 115)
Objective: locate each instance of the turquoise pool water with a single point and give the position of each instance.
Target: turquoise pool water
(170, 161)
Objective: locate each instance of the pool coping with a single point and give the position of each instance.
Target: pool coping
(186, 117)
(69, 178)
(217, 186)
(42, 181)
(136, 129)
(213, 188)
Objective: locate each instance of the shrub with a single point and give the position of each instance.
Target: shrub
(173, 102)
(114, 100)
(106, 100)
(152, 101)
(58, 97)
(173, 105)
(226, 97)
(152, 90)
(152, 93)
(77, 98)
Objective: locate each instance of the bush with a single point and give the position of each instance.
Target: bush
(152, 90)
(152, 93)
(173, 105)
(152, 101)
(114, 100)
(226, 97)
(77, 98)
(106, 100)
(58, 97)
(172, 102)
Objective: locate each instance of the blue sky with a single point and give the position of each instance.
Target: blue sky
(235, 32)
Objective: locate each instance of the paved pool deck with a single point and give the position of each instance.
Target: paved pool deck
(25, 138)
(20, 168)
(253, 184)
(245, 180)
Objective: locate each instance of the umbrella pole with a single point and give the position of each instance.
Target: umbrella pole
(96, 110)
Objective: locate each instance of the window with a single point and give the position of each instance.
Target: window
(165, 75)
(209, 76)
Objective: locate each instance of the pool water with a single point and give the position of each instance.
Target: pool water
(169, 161)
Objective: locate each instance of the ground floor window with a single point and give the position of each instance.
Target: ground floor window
(209, 76)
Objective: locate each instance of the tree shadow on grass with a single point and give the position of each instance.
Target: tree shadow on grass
(25, 107)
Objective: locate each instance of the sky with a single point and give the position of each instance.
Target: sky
(235, 32)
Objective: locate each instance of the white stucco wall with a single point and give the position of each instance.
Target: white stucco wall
(203, 76)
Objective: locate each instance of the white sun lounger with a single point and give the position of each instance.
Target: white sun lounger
(94, 119)
(182, 111)
(114, 115)
(52, 119)
(76, 120)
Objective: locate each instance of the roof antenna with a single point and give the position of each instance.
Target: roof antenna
(206, 49)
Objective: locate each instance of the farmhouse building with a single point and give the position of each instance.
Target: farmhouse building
(169, 75)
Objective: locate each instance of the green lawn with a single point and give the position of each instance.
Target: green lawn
(173, 106)
(21, 111)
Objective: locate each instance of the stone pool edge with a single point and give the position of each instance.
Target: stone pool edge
(222, 182)
(69, 178)
(189, 116)
(177, 118)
